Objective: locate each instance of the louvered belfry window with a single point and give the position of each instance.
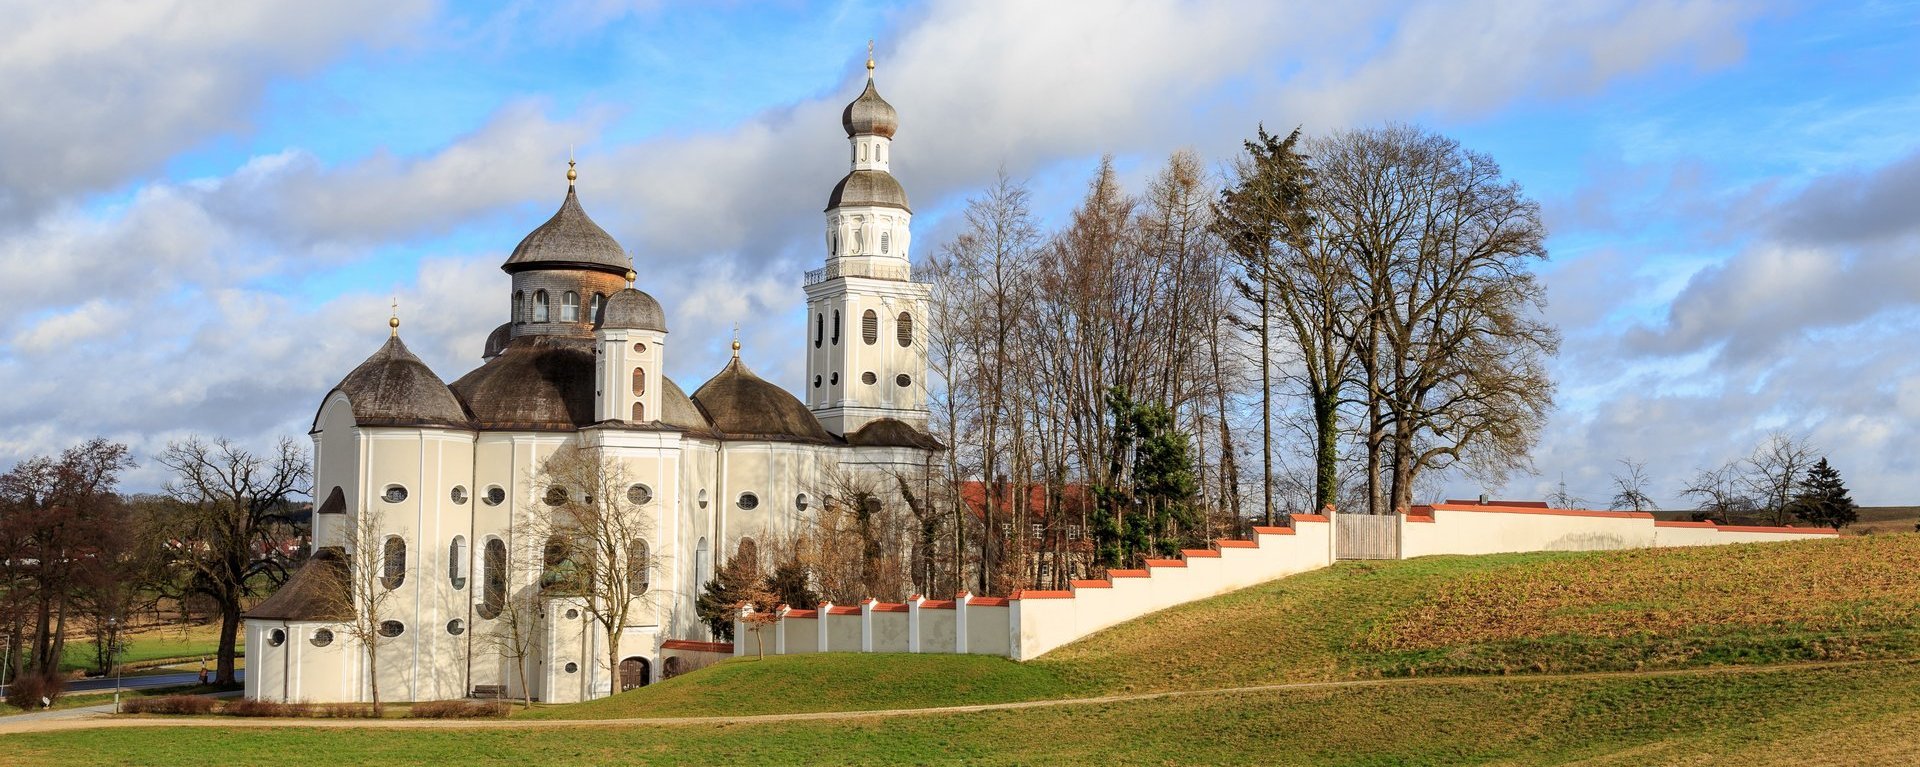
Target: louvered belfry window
(870, 327)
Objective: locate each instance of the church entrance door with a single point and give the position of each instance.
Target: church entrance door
(633, 673)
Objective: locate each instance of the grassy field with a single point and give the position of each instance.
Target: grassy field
(1810, 716)
(154, 644)
(1688, 640)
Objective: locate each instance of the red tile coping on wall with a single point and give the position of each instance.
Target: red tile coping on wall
(688, 644)
(889, 607)
(1191, 553)
(1230, 543)
(937, 604)
(1152, 563)
(988, 602)
(1677, 523)
(1032, 594)
(1111, 574)
(1756, 529)
(837, 610)
(803, 613)
(1551, 512)
(1415, 518)
(1092, 584)
(1309, 517)
(1273, 530)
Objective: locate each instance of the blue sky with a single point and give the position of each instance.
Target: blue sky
(220, 201)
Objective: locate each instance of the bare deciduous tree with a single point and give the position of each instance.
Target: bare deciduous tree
(362, 590)
(1772, 473)
(602, 534)
(1630, 485)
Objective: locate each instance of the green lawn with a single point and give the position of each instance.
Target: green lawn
(155, 644)
(1857, 715)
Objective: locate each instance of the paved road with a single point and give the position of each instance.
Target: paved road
(105, 684)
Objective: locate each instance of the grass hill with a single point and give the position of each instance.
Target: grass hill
(1837, 599)
(1702, 651)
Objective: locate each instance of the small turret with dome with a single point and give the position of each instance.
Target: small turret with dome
(563, 272)
(630, 347)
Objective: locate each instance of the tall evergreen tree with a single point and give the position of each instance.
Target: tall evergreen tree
(1823, 498)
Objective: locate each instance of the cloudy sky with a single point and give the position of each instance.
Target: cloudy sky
(206, 207)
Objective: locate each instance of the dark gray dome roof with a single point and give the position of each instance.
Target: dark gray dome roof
(568, 240)
(677, 410)
(311, 593)
(892, 432)
(869, 115)
(868, 187)
(632, 309)
(537, 383)
(497, 340)
(742, 406)
(394, 388)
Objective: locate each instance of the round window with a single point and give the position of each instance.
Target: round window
(394, 494)
(276, 638)
(556, 496)
(835, 379)
(800, 501)
(460, 494)
(640, 348)
(749, 501)
(572, 667)
(322, 637)
(392, 628)
(816, 382)
(868, 378)
(456, 627)
(572, 613)
(640, 495)
(496, 495)
(903, 380)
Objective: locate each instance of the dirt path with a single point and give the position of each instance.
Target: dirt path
(88, 720)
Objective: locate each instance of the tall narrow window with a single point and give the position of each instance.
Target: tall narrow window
(836, 327)
(870, 327)
(593, 307)
(520, 306)
(570, 307)
(886, 240)
(639, 412)
(539, 306)
(493, 563)
(639, 381)
(393, 563)
(457, 562)
(904, 329)
(637, 567)
(819, 329)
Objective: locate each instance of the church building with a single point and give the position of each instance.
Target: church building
(456, 485)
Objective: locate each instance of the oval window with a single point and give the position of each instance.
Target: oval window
(460, 494)
(800, 501)
(392, 628)
(835, 380)
(749, 501)
(572, 667)
(703, 498)
(640, 348)
(870, 327)
(572, 613)
(496, 495)
(640, 495)
(556, 496)
(276, 638)
(456, 627)
(869, 378)
(322, 637)
(394, 494)
(903, 380)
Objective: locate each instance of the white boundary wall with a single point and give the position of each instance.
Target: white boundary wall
(1030, 623)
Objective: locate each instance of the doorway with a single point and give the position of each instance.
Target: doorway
(634, 672)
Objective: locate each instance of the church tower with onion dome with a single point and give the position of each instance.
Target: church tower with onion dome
(866, 337)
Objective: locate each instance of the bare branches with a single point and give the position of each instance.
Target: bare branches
(1630, 486)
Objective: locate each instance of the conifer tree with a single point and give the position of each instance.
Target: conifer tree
(1823, 498)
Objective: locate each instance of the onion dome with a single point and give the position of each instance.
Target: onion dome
(537, 383)
(741, 405)
(868, 187)
(632, 309)
(569, 240)
(394, 388)
(869, 114)
(311, 594)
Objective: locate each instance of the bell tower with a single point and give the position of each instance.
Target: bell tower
(866, 316)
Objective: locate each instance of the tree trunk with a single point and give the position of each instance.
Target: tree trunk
(229, 642)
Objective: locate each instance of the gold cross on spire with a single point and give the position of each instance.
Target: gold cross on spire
(869, 57)
(393, 321)
(571, 173)
(736, 340)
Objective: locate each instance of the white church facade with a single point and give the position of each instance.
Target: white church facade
(455, 474)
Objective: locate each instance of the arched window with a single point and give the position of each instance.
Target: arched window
(493, 591)
(570, 307)
(886, 240)
(819, 329)
(639, 381)
(870, 327)
(836, 327)
(336, 503)
(702, 563)
(593, 307)
(539, 306)
(903, 329)
(393, 562)
(637, 567)
(748, 551)
(561, 567)
(520, 306)
(639, 412)
(457, 562)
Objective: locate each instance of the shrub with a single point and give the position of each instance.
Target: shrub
(459, 709)
(169, 704)
(248, 707)
(343, 711)
(37, 691)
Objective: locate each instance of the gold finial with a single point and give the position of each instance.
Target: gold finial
(869, 58)
(393, 321)
(631, 276)
(571, 173)
(736, 340)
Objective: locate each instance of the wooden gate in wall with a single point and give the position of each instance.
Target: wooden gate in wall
(1366, 536)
